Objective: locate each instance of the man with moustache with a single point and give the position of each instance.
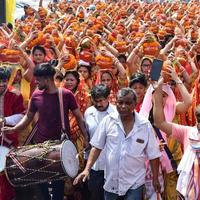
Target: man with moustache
(129, 140)
(45, 102)
(93, 116)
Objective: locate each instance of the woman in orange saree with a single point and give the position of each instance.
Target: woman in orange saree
(105, 76)
(195, 102)
(72, 82)
(114, 82)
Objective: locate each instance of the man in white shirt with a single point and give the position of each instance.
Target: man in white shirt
(129, 141)
(93, 116)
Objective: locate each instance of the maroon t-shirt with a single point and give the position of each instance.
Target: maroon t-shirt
(47, 105)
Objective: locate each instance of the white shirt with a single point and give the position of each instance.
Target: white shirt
(92, 119)
(125, 156)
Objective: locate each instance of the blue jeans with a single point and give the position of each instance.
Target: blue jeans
(136, 194)
(95, 185)
(57, 190)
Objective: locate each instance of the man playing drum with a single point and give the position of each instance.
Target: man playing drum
(11, 112)
(45, 101)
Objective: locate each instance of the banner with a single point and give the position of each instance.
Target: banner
(10, 10)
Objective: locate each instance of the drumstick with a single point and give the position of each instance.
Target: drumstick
(78, 154)
(84, 150)
(3, 136)
(2, 132)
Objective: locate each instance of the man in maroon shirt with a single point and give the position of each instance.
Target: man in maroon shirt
(11, 112)
(45, 102)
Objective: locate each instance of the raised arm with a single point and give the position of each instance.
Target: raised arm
(181, 107)
(158, 113)
(112, 49)
(120, 68)
(31, 37)
(28, 66)
(4, 33)
(168, 46)
(135, 51)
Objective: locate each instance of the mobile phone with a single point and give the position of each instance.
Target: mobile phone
(156, 69)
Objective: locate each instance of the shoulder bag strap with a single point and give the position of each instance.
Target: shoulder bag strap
(60, 95)
(168, 152)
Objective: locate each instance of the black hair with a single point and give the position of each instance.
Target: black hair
(5, 73)
(89, 68)
(106, 72)
(81, 20)
(28, 52)
(53, 49)
(44, 70)
(126, 91)
(144, 59)
(26, 7)
(76, 76)
(168, 38)
(59, 75)
(53, 62)
(138, 78)
(10, 26)
(198, 57)
(197, 113)
(123, 56)
(40, 48)
(99, 33)
(99, 91)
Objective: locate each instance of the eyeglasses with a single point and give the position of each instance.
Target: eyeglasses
(146, 65)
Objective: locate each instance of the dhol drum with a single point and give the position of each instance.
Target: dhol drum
(45, 162)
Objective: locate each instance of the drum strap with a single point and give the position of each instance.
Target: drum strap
(30, 137)
(64, 133)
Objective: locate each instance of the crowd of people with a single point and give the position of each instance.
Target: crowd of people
(137, 138)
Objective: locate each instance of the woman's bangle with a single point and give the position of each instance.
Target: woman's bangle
(179, 82)
(24, 54)
(116, 61)
(104, 43)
